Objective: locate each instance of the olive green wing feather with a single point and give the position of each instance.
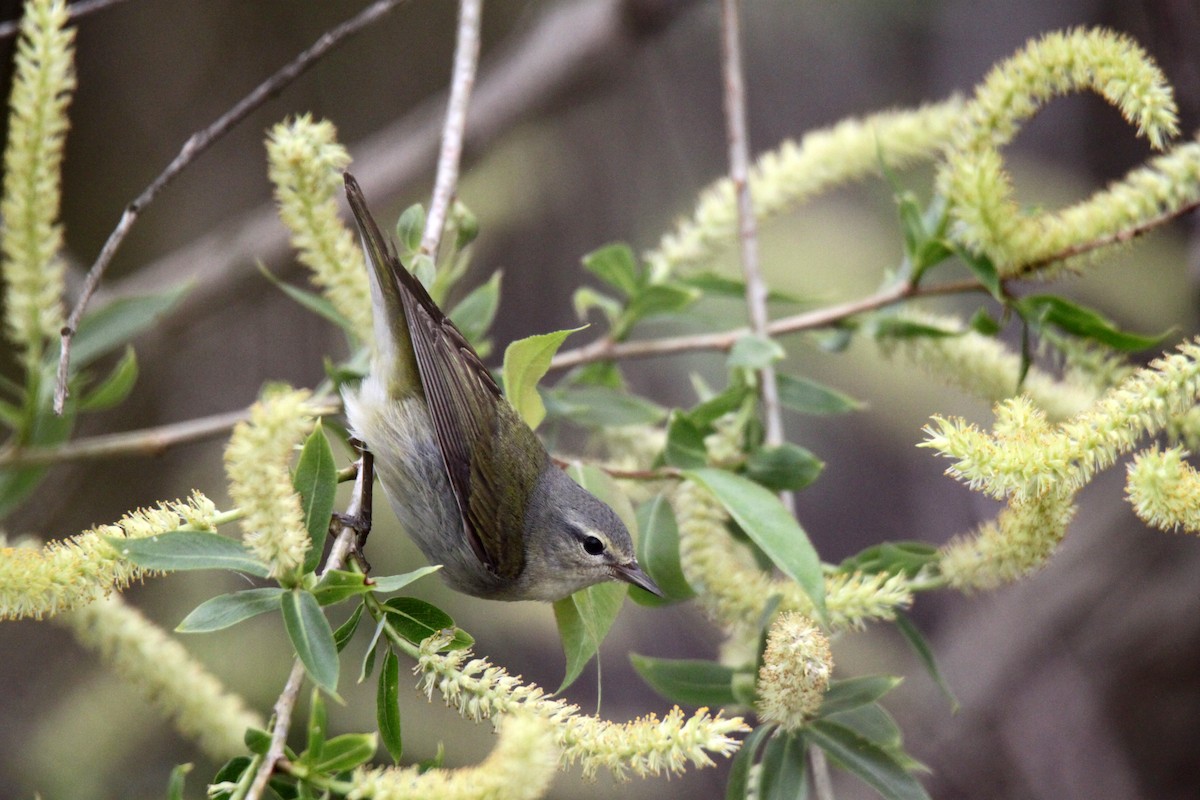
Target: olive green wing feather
(491, 479)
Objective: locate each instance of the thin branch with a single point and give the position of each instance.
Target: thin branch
(193, 147)
(145, 442)
(739, 174)
(74, 12)
(466, 60)
(607, 350)
(286, 701)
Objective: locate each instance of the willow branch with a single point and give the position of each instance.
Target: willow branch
(606, 349)
(286, 702)
(739, 174)
(466, 61)
(193, 147)
(144, 442)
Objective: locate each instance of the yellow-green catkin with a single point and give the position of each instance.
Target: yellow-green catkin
(1020, 540)
(1064, 457)
(72, 572)
(521, 767)
(784, 178)
(972, 177)
(30, 235)
(139, 651)
(734, 591)
(257, 464)
(986, 368)
(795, 673)
(1164, 490)
(306, 164)
(645, 746)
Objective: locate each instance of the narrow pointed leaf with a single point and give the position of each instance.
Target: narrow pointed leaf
(226, 610)
(912, 634)
(658, 552)
(850, 693)
(738, 787)
(809, 397)
(345, 631)
(684, 680)
(783, 468)
(116, 387)
(784, 773)
(318, 726)
(583, 620)
(857, 755)
(387, 706)
(104, 330)
(336, 585)
(186, 550)
(345, 752)
(317, 304)
(315, 480)
(769, 524)
(312, 637)
(394, 583)
(417, 620)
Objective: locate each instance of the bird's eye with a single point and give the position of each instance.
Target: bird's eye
(593, 546)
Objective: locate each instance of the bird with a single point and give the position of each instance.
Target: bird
(469, 481)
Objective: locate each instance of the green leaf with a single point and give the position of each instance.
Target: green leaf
(738, 787)
(1083, 322)
(685, 442)
(230, 775)
(475, 313)
(337, 585)
(782, 468)
(387, 706)
(912, 634)
(584, 619)
(368, 662)
(907, 558)
(186, 550)
(316, 480)
(770, 526)
(316, 303)
(257, 741)
(318, 726)
(525, 362)
(616, 265)
(850, 693)
(345, 752)
(411, 227)
(876, 767)
(982, 322)
(345, 631)
(658, 552)
(586, 298)
(116, 387)
(810, 397)
(719, 285)
(982, 268)
(873, 723)
(887, 325)
(417, 620)
(394, 583)
(46, 430)
(226, 610)
(312, 637)
(652, 300)
(755, 352)
(602, 407)
(114, 325)
(176, 781)
(784, 772)
(691, 681)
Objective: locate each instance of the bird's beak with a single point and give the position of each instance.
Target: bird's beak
(632, 573)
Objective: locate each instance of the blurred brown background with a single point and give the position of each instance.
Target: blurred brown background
(1077, 683)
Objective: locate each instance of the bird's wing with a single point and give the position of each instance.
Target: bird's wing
(467, 410)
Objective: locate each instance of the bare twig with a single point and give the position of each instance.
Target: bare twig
(286, 701)
(74, 12)
(193, 147)
(145, 442)
(608, 350)
(739, 174)
(466, 60)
